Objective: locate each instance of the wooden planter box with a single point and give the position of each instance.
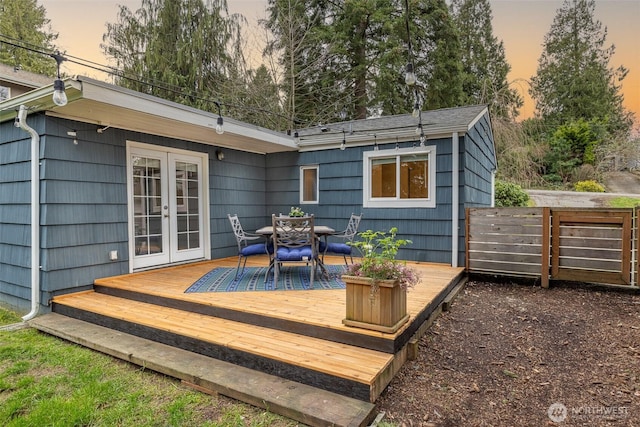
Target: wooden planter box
(385, 311)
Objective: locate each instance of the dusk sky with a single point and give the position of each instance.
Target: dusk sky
(520, 24)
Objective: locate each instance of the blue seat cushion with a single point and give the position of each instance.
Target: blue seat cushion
(294, 254)
(255, 249)
(338, 248)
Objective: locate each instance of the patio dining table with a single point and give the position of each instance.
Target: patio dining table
(319, 230)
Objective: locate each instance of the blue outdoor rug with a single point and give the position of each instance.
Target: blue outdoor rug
(291, 278)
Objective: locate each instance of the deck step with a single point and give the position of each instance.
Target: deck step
(387, 343)
(303, 403)
(340, 368)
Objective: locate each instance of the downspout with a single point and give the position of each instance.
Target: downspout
(21, 122)
(455, 197)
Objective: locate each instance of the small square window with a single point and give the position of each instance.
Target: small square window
(309, 184)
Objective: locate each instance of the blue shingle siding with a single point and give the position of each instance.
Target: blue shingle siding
(479, 162)
(84, 203)
(237, 185)
(340, 175)
(15, 212)
(15, 234)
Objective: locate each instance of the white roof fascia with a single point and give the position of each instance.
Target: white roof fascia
(117, 96)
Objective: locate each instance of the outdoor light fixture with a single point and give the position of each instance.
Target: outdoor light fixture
(220, 121)
(410, 76)
(220, 155)
(59, 95)
(74, 134)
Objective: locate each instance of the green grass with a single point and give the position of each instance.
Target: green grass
(8, 317)
(624, 202)
(45, 381)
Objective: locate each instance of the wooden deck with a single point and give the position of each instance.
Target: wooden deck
(296, 335)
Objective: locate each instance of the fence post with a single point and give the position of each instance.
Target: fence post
(546, 242)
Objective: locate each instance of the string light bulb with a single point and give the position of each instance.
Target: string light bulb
(220, 126)
(59, 95)
(220, 121)
(343, 146)
(416, 110)
(410, 75)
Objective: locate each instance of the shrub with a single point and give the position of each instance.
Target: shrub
(509, 194)
(589, 186)
(584, 173)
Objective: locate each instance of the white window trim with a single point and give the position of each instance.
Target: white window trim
(302, 169)
(397, 202)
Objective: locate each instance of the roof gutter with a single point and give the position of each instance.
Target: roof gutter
(21, 122)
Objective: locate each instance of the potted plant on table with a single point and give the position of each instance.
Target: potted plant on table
(296, 212)
(377, 284)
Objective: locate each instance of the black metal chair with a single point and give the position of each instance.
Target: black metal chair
(245, 249)
(342, 247)
(294, 241)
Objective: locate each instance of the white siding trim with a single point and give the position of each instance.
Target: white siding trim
(455, 197)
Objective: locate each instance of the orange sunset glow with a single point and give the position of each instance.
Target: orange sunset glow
(520, 24)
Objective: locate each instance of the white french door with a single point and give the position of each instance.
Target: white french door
(167, 206)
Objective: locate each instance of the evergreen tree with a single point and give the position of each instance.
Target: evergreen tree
(438, 58)
(182, 50)
(574, 80)
(485, 67)
(350, 56)
(297, 29)
(24, 23)
(261, 101)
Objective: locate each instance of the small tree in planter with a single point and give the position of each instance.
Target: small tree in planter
(377, 284)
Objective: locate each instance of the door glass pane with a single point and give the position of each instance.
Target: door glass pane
(147, 204)
(187, 204)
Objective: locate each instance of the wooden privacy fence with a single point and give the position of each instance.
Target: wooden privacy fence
(586, 245)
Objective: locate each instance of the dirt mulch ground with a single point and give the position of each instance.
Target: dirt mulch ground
(517, 355)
